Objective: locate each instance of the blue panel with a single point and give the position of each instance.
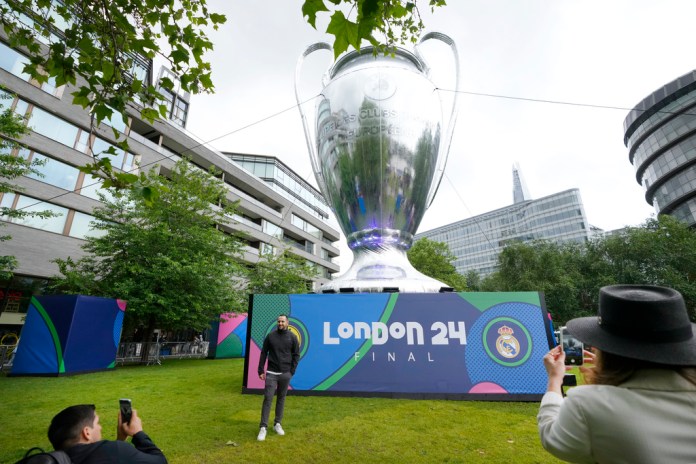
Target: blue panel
(36, 353)
(60, 309)
(91, 342)
(240, 331)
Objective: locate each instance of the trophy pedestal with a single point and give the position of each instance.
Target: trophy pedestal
(382, 270)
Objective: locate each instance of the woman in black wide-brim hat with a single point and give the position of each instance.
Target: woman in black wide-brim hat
(640, 404)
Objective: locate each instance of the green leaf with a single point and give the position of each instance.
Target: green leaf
(149, 114)
(206, 82)
(369, 8)
(102, 112)
(80, 99)
(216, 18)
(166, 83)
(126, 178)
(107, 68)
(180, 55)
(345, 31)
(310, 8)
(136, 85)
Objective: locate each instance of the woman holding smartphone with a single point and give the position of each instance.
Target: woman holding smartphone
(640, 402)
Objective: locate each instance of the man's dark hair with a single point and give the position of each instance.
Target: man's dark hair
(66, 426)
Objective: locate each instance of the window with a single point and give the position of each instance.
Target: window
(81, 226)
(53, 172)
(52, 224)
(272, 229)
(14, 62)
(91, 188)
(267, 249)
(55, 128)
(179, 112)
(297, 222)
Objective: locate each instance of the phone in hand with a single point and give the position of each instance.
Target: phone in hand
(126, 410)
(572, 346)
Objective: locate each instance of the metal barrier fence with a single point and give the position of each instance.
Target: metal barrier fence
(132, 352)
(6, 356)
(129, 353)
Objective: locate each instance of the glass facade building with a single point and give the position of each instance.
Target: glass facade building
(283, 180)
(477, 241)
(660, 134)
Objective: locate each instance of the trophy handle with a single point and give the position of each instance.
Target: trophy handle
(311, 143)
(449, 130)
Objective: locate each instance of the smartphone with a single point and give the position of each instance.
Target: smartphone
(126, 410)
(572, 347)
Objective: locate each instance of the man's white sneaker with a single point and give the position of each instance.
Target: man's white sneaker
(262, 434)
(278, 429)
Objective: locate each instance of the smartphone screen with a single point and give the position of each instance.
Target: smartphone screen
(126, 410)
(572, 347)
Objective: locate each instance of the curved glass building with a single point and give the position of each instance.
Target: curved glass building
(660, 134)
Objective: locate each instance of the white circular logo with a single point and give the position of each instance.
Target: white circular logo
(379, 87)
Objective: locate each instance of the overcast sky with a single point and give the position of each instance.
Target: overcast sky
(516, 58)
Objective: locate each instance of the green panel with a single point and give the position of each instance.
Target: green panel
(484, 300)
(231, 347)
(269, 308)
(54, 334)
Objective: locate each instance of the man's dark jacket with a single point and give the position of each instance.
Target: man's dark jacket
(283, 352)
(142, 451)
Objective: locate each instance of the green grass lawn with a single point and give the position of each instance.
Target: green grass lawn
(195, 412)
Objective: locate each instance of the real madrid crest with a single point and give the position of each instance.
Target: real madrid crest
(506, 344)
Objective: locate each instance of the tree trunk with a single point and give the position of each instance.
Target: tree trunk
(147, 340)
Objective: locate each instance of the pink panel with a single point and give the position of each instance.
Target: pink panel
(226, 328)
(486, 387)
(254, 354)
(253, 380)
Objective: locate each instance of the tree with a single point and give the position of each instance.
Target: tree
(473, 281)
(280, 274)
(12, 128)
(168, 259)
(434, 259)
(659, 252)
(544, 267)
(394, 22)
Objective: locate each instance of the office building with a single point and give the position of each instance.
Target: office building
(277, 209)
(660, 134)
(477, 241)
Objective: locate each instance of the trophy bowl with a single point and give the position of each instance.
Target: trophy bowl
(378, 142)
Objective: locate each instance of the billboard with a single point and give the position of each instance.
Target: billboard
(478, 345)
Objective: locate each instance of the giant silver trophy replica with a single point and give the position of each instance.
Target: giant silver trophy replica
(378, 149)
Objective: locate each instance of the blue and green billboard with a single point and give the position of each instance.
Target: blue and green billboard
(484, 346)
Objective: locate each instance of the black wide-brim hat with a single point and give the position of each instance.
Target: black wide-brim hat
(644, 322)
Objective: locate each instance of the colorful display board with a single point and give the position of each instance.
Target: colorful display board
(69, 334)
(229, 336)
(482, 346)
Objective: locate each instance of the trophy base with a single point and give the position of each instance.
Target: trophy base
(383, 270)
